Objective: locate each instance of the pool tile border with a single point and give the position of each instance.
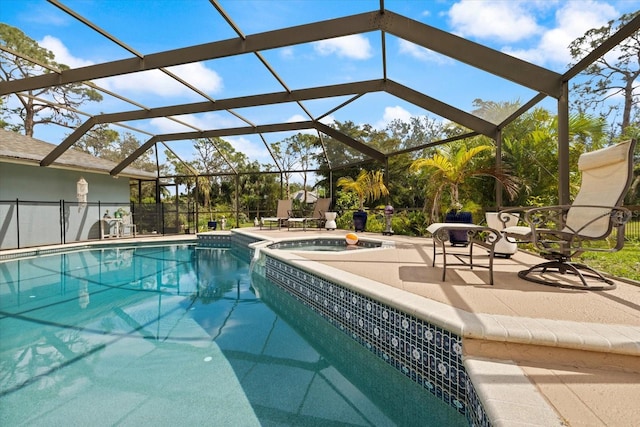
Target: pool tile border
(426, 353)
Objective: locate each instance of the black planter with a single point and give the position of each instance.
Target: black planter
(359, 220)
(459, 237)
(212, 225)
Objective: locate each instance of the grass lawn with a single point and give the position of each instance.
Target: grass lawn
(625, 263)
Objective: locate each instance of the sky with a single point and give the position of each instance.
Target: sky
(538, 31)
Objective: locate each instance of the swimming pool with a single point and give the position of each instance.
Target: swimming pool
(173, 335)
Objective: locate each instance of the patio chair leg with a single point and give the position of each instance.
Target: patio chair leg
(583, 272)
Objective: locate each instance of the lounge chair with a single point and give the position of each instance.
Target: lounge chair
(563, 232)
(282, 214)
(321, 206)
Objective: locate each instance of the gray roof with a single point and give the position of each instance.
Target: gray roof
(18, 148)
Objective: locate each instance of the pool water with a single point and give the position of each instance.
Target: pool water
(324, 245)
(179, 335)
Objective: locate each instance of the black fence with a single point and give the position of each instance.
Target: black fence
(25, 223)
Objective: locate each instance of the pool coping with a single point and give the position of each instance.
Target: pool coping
(608, 338)
(523, 405)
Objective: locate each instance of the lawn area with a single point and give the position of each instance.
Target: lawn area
(625, 263)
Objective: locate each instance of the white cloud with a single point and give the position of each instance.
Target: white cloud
(507, 21)
(253, 150)
(297, 118)
(200, 76)
(420, 53)
(151, 82)
(286, 52)
(390, 114)
(573, 20)
(158, 83)
(300, 118)
(163, 125)
(354, 47)
(62, 54)
(202, 121)
(397, 112)
(328, 120)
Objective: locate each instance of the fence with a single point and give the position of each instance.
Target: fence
(26, 223)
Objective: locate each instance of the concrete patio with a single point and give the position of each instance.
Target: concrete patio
(579, 349)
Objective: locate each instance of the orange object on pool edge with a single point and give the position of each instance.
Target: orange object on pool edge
(351, 238)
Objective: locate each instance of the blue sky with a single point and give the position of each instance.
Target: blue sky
(536, 31)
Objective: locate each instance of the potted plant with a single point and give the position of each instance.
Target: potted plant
(369, 185)
(456, 214)
(119, 213)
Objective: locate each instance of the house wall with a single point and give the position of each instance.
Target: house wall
(26, 182)
(38, 217)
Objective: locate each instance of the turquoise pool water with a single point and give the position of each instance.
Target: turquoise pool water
(323, 245)
(178, 335)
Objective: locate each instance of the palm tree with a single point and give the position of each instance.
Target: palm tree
(369, 185)
(530, 151)
(450, 169)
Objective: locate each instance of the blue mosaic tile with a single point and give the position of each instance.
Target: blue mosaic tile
(215, 240)
(426, 353)
(320, 242)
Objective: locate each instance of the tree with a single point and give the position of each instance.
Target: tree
(106, 143)
(3, 123)
(55, 104)
(208, 160)
(369, 185)
(304, 148)
(287, 161)
(100, 141)
(451, 167)
(610, 76)
(406, 135)
(530, 152)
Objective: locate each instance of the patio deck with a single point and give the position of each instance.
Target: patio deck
(579, 351)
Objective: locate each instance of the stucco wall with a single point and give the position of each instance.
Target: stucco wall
(38, 218)
(48, 184)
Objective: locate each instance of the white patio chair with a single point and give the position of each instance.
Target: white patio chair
(127, 224)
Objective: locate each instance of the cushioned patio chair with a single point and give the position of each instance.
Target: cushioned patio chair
(319, 208)
(282, 214)
(561, 233)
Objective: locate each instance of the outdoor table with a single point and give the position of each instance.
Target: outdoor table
(115, 223)
(478, 235)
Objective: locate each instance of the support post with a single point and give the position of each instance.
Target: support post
(499, 168)
(237, 201)
(563, 145)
